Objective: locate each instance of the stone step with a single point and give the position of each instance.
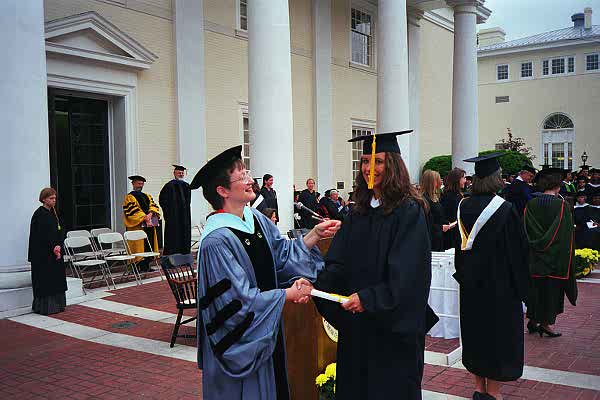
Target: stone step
(11, 299)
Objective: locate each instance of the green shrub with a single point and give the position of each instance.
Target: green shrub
(511, 162)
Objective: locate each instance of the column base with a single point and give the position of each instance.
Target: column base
(16, 291)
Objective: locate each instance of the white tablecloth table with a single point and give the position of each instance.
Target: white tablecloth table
(444, 301)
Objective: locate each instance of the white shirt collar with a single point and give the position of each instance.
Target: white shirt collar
(375, 202)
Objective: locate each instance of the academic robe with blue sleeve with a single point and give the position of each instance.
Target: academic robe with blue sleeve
(237, 323)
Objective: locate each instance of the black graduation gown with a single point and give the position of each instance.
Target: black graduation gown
(518, 193)
(386, 259)
(593, 213)
(174, 199)
(493, 278)
(436, 222)
(308, 199)
(328, 209)
(449, 202)
(258, 251)
(47, 273)
(582, 232)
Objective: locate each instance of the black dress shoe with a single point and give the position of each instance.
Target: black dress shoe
(532, 327)
(543, 331)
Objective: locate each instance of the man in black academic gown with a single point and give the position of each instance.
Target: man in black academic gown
(175, 198)
(520, 191)
(492, 271)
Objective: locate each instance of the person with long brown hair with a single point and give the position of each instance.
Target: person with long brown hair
(431, 182)
(451, 197)
(48, 277)
(381, 260)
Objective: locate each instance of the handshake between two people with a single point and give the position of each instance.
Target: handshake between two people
(300, 293)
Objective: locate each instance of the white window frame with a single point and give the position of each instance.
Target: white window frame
(591, 71)
(243, 113)
(368, 8)
(521, 70)
(549, 137)
(239, 31)
(507, 72)
(566, 64)
(363, 125)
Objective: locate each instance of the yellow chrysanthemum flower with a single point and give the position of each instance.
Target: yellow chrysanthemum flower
(330, 370)
(321, 380)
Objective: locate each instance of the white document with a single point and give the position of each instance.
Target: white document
(329, 296)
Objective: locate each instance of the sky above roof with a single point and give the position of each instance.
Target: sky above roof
(521, 18)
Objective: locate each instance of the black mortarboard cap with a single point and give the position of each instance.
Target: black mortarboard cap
(550, 171)
(486, 164)
(594, 171)
(528, 168)
(179, 167)
(584, 167)
(214, 165)
(384, 142)
(136, 178)
(545, 166)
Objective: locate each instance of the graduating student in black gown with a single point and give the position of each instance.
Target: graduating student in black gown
(431, 182)
(381, 258)
(175, 199)
(48, 277)
(492, 271)
(452, 195)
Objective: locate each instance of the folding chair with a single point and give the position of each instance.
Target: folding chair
(97, 232)
(111, 254)
(131, 236)
(75, 246)
(181, 277)
(84, 254)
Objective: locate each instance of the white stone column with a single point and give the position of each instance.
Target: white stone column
(191, 106)
(24, 164)
(465, 138)
(270, 100)
(414, 90)
(323, 94)
(392, 72)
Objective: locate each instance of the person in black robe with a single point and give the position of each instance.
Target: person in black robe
(452, 195)
(492, 271)
(268, 193)
(520, 190)
(581, 218)
(550, 233)
(48, 276)
(431, 182)
(175, 199)
(381, 259)
(308, 197)
(592, 215)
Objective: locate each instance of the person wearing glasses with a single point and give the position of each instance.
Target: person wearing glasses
(246, 273)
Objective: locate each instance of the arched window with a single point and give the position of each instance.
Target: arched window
(558, 121)
(558, 135)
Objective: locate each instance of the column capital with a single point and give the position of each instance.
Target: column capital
(471, 6)
(414, 15)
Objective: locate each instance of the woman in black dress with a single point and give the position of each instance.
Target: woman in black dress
(47, 268)
(431, 182)
(269, 194)
(455, 183)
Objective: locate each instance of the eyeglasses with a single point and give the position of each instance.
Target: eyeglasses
(245, 177)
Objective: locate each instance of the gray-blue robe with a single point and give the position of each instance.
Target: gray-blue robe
(244, 370)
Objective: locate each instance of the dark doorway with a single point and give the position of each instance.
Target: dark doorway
(79, 159)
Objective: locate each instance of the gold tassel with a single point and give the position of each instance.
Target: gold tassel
(372, 164)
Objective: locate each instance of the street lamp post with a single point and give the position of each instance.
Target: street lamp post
(584, 157)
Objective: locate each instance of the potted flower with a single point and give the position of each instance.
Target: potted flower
(585, 260)
(326, 383)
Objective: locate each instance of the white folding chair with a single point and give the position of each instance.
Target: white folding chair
(115, 250)
(114, 242)
(75, 246)
(88, 254)
(131, 236)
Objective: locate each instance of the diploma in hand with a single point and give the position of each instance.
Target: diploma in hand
(329, 296)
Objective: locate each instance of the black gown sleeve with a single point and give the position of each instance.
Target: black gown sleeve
(401, 300)
(332, 278)
(518, 254)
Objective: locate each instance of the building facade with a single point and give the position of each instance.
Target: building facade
(103, 89)
(545, 88)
